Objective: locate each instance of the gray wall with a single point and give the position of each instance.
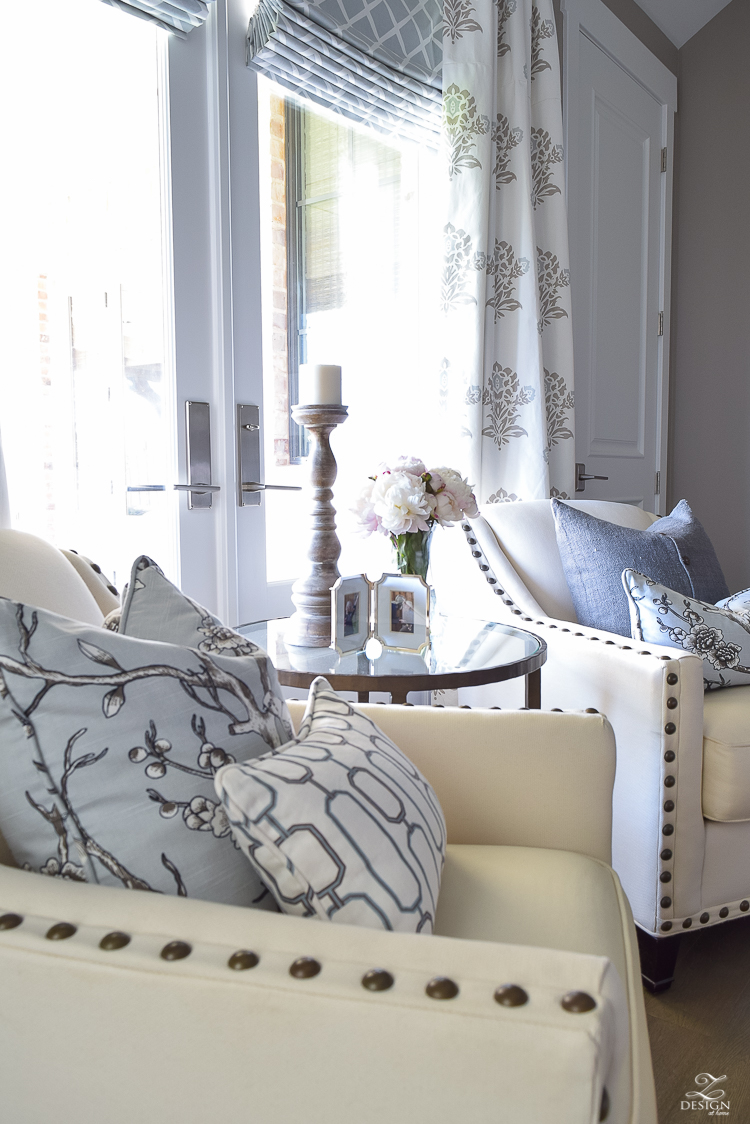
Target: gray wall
(710, 377)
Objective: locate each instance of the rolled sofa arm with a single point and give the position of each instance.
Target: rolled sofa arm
(96, 1029)
(520, 778)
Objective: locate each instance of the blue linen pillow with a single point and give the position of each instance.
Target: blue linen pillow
(339, 824)
(720, 637)
(675, 551)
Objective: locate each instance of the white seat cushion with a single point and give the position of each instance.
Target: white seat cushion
(36, 573)
(726, 755)
(551, 899)
(526, 532)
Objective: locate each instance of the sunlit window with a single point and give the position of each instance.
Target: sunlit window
(351, 276)
(86, 386)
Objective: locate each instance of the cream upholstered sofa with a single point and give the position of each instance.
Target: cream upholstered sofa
(681, 813)
(94, 1028)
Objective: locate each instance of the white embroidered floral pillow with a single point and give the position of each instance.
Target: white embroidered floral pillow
(720, 636)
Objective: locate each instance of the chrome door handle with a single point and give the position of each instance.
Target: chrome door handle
(146, 488)
(582, 476)
(252, 486)
(199, 489)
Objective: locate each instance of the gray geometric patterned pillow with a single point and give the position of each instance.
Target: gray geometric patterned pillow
(339, 824)
(109, 747)
(721, 637)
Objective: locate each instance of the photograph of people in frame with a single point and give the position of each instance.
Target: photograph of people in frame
(351, 614)
(402, 611)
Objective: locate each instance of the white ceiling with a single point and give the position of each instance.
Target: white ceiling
(680, 19)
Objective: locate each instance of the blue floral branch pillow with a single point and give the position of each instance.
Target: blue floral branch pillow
(339, 824)
(109, 745)
(721, 637)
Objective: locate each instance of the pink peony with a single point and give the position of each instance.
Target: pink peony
(455, 498)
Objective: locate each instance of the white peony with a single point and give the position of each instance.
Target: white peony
(365, 512)
(455, 498)
(412, 465)
(400, 503)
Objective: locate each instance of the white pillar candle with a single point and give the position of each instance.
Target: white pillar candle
(319, 384)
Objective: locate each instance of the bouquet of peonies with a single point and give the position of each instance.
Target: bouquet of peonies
(405, 501)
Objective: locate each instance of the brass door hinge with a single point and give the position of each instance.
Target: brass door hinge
(664, 160)
(657, 484)
(661, 323)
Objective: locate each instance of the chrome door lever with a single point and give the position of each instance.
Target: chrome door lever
(582, 476)
(198, 443)
(199, 489)
(251, 486)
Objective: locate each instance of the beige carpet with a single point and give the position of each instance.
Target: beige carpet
(702, 1024)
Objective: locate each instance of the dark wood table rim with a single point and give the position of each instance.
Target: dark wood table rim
(399, 686)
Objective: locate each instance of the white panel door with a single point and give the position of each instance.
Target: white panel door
(619, 211)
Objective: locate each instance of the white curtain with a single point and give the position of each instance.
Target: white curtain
(506, 382)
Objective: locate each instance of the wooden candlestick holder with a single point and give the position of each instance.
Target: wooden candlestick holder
(310, 625)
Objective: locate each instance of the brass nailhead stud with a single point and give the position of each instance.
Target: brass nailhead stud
(665, 903)
(305, 968)
(666, 926)
(669, 805)
(593, 637)
(609, 642)
(668, 829)
(442, 988)
(665, 657)
(527, 618)
(687, 922)
(671, 679)
(499, 592)
(176, 950)
(112, 941)
(510, 995)
(483, 566)
(61, 931)
(577, 1002)
(465, 527)
(564, 630)
(471, 542)
(745, 906)
(704, 918)
(377, 979)
(626, 648)
(556, 710)
(670, 728)
(464, 706)
(476, 554)
(644, 653)
(669, 782)
(671, 703)
(507, 602)
(604, 1110)
(491, 580)
(665, 876)
(517, 613)
(669, 755)
(243, 959)
(666, 855)
(575, 633)
(591, 710)
(724, 912)
(10, 920)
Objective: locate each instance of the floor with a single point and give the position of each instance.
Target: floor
(702, 1024)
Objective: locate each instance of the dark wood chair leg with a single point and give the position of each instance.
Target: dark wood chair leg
(658, 959)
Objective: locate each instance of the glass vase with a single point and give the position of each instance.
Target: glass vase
(413, 552)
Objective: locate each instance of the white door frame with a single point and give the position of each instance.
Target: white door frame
(216, 272)
(592, 19)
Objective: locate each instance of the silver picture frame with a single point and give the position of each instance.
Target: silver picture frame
(401, 612)
(351, 613)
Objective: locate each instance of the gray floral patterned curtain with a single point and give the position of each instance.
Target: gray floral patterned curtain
(377, 62)
(507, 375)
(176, 16)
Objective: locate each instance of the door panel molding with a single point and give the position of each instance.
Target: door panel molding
(590, 20)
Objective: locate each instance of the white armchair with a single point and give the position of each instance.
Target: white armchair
(681, 811)
(128, 1006)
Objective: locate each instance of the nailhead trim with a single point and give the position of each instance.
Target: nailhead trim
(668, 829)
(665, 876)
(665, 903)
(671, 703)
(704, 917)
(724, 911)
(10, 921)
(670, 755)
(671, 679)
(745, 905)
(441, 988)
(666, 926)
(687, 922)
(670, 728)
(669, 782)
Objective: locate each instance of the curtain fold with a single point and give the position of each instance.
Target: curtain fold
(376, 63)
(506, 381)
(4, 500)
(176, 16)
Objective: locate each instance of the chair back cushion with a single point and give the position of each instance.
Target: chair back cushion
(526, 533)
(36, 573)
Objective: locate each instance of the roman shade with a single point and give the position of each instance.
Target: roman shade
(377, 62)
(177, 16)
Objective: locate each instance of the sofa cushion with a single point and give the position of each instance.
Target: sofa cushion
(726, 755)
(110, 749)
(663, 616)
(674, 551)
(526, 533)
(339, 824)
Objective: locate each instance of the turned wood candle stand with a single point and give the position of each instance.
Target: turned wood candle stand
(310, 625)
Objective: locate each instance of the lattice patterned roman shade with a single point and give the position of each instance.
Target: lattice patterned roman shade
(378, 62)
(177, 16)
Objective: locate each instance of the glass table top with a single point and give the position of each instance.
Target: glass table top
(457, 645)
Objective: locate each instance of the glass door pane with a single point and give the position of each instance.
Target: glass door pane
(87, 415)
